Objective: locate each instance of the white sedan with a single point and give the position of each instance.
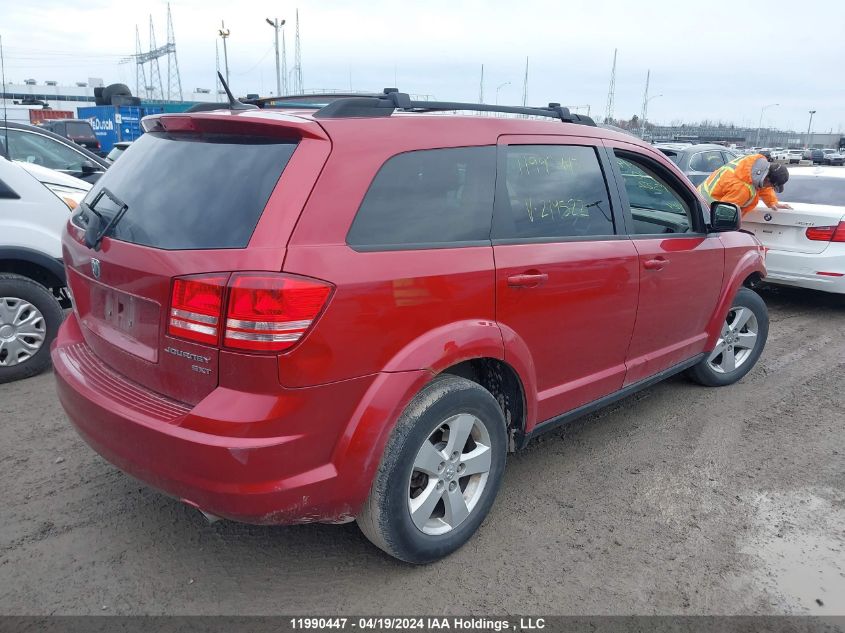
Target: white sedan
(806, 244)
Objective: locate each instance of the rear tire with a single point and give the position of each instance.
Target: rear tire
(420, 507)
(29, 320)
(741, 341)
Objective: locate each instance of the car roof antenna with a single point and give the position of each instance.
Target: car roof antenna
(5, 152)
(234, 104)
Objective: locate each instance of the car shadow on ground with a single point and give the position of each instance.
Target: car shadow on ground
(786, 296)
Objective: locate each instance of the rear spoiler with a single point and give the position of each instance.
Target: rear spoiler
(247, 123)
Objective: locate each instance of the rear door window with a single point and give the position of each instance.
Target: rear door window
(428, 199)
(193, 191)
(552, 192)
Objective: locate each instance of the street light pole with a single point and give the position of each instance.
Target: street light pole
(499, 87)
(760, 124)
(276, 26)
(223, 32)
(809, 127)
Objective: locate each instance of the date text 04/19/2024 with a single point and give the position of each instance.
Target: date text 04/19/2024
(385, 623)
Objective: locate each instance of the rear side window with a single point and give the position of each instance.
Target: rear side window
(193, 192)
(552, 192)
(428, 199)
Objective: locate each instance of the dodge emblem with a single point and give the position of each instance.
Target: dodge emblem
(95, 267)
(767, 218)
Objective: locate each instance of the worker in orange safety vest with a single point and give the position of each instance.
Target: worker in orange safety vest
(744, 181)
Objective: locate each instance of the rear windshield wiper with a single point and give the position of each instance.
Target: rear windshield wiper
(96, 227)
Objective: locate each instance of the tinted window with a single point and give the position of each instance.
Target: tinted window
(193, 192)
(42, 150)
(814, 190)
(655, 206)
(79, 129)
(706, 161)
(552, 191)
(671, 155)
(428, 197)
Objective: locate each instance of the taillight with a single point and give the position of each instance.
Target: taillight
(271, 312)
(196, 304)
(827, 233)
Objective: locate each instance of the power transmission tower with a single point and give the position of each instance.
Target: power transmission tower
(481, 86)
(297, 68)
(611, 92)
(155, 90)
(140, 73)
(525, 84)
(174, 81)
(284, 64)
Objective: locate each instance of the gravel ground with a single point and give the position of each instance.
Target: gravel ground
(678, 500)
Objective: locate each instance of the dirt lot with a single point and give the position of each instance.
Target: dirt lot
(680, 499)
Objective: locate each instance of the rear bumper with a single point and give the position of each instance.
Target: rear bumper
(294, 477)
(802, 269)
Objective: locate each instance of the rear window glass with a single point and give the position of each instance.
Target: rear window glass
(428, 198)
(814, 190)
(193, 192)
(79, 128)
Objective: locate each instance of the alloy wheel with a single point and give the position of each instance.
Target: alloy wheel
(449, 474)
(736, 342)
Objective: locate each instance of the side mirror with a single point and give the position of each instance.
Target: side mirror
(724, 216)
(89, 168)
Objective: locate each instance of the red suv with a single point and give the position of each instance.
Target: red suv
(355, 312)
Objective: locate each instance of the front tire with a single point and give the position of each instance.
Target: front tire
(29, 320)
(741, 341)
(439, 474)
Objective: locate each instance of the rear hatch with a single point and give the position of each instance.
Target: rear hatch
(206, 195)
(786, 230)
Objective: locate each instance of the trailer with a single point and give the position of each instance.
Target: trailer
(113, 124)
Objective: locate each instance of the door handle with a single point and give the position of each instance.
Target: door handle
(655, 264)
(527, 280)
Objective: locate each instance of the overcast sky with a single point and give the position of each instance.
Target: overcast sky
(720, 60)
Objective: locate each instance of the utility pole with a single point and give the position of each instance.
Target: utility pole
(809, 127)
(223, 32)
(276, 24)
(481, 86)
(611, 92)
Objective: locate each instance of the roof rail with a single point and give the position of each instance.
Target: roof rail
(383, 105)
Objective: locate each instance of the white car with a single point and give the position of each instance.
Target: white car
(806, 244)
(794, 156)
(35, 204)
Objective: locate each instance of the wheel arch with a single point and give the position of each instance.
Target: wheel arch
(748, 270)
(37, 266)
